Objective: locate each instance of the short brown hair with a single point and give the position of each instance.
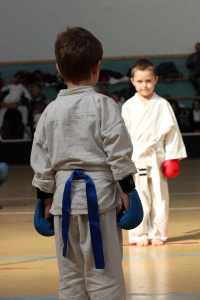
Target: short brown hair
(77, 52)
(143, 65)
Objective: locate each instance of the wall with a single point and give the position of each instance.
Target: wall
(128, 27)
(178, 88)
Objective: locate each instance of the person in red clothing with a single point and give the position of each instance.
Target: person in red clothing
(157, 147)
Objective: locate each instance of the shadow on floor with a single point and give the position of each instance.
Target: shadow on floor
(194, 235)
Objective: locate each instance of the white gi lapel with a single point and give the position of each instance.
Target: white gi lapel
(142, 144)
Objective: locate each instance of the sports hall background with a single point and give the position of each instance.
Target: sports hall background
(159, 30)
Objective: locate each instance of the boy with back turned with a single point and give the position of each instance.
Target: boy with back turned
(81, 149)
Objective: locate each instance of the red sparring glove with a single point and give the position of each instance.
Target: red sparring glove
(171, 168)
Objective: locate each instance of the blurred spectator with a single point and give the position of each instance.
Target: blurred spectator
(181, 113)
(194, 117)
(104, 90)
(2, 83)
(38, 110)
(37, 95)
(128, 92)
(4, 169)
(12, 97)
(193, 63)
(37, 98)
(176, 110)
(116, 97)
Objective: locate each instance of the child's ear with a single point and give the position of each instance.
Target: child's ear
(58, 70)
(157, 79)
(97, 67)
(132, 80)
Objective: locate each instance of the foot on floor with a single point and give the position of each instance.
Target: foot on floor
(142, 243)
(156, 242)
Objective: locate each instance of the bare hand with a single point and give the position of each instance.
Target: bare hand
(47, 204)
(126, 201)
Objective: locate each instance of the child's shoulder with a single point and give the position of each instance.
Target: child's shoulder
(160, 100)
(130, 101)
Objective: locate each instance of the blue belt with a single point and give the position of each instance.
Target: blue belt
(93, 214)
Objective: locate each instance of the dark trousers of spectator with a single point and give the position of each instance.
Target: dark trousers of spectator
(4, 169)
(193, 77)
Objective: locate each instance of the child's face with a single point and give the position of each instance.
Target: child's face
(144, 82)
(35, 90)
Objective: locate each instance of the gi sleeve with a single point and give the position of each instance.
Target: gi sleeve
(44, 178)
(117, 143)
(174, 146)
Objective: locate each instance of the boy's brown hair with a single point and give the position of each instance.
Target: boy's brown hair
(77, 52)
(143, 65)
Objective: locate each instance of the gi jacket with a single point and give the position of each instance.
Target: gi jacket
(81, 129)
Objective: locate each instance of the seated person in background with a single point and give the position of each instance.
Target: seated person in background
(11, 98)
(104, 90)
(119, 100)
(194, 117)
(181, 113)
(193, 63)
(39, 108)
(2, 82)
(37, 98)
(37, 95)
(128, 92)
(176, 109)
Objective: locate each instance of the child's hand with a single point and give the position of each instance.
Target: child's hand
(13, 105)
(47, 204)
(126, 201)
(171, 168)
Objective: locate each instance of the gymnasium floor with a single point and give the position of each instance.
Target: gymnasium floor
(28, 266)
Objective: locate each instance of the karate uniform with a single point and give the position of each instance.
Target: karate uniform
(155, 137)
(82, 129)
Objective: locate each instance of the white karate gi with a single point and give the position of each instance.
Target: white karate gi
(155, 137)
(15, 93)
(82, 129)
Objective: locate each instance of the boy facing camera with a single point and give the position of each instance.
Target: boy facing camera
(157, 147)
(81, 148)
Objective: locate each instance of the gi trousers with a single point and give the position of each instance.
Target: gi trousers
(156, 210)
(79, 280)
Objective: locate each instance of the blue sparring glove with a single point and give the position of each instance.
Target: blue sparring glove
(133, 217)
(43, 226)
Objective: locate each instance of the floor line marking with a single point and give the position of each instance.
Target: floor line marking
(28, 259)
(162, 296)
(17, 213)
(127, 297)
(137, 256)
(183, 243)
(158, 256)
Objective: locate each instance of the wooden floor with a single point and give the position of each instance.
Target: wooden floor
(28, 266)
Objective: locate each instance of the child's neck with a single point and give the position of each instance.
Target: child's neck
(145, 100)
(88, 82)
